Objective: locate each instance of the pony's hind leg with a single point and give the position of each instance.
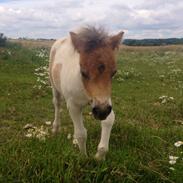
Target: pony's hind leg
(57, 105)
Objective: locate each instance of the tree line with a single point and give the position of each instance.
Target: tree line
(3, 40)
(129, 42)
(152, 42)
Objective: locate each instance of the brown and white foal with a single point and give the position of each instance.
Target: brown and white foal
(81, 69)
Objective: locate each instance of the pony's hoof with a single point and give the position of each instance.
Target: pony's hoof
(85, 155)
(55, 131)
(100, 155)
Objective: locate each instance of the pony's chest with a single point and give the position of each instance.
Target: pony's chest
(72, 87)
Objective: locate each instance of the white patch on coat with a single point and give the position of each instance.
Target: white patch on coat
(71, 86)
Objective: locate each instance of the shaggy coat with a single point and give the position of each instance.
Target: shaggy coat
(81, 69)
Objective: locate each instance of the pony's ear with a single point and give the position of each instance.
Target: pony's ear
(115, 40)
(76, 41)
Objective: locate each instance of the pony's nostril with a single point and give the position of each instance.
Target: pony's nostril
(109, 108)
(101, 113)
(96, 110)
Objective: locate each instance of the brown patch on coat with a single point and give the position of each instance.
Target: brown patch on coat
(54, 71)
(97, 60)
(52, 58)
(56, 76)
(97, 68)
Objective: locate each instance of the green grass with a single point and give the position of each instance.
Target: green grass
(142, 138)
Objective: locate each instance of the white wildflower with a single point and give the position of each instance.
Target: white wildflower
(42, 128)
(164, 101)
(28, 135)
(41, 74)
(171, 98)
(172, 162)
(179, 121)
(75, 141)
(176, 71)
(45, 67)
(173, 157)
(170, 63)
(172, 168)
(31, 130)
(9, 52)
(48, 123)
(42, 77)
(37, 69)
(69, 136)
(28, 125)
(40, 133)
(162, 76)
(162, 97)
(178, 143)
(43, 82)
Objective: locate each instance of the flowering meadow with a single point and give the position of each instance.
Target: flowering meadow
(146, 143)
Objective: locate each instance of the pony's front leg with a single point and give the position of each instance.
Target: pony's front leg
(80, 132)
(105, 136)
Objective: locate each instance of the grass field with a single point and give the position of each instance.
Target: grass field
(147, 100)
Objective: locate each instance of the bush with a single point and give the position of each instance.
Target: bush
(3, 40)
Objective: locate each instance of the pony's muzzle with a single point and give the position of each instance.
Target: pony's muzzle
(101, 113)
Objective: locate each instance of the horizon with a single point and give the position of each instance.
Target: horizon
(27, 38)
(140, 19)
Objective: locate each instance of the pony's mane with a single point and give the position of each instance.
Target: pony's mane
(93, 37)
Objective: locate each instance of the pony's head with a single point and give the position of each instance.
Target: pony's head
(97, 66)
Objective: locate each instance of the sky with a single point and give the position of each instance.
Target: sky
(56, 18)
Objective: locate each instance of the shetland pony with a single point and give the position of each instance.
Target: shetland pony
(81, 69)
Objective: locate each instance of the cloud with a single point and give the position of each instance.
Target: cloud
(54, 19)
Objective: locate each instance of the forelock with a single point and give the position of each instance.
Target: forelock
(93, 37)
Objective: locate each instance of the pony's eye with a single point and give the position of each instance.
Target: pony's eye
(113, 73)
(101, 68)
(85, 75)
